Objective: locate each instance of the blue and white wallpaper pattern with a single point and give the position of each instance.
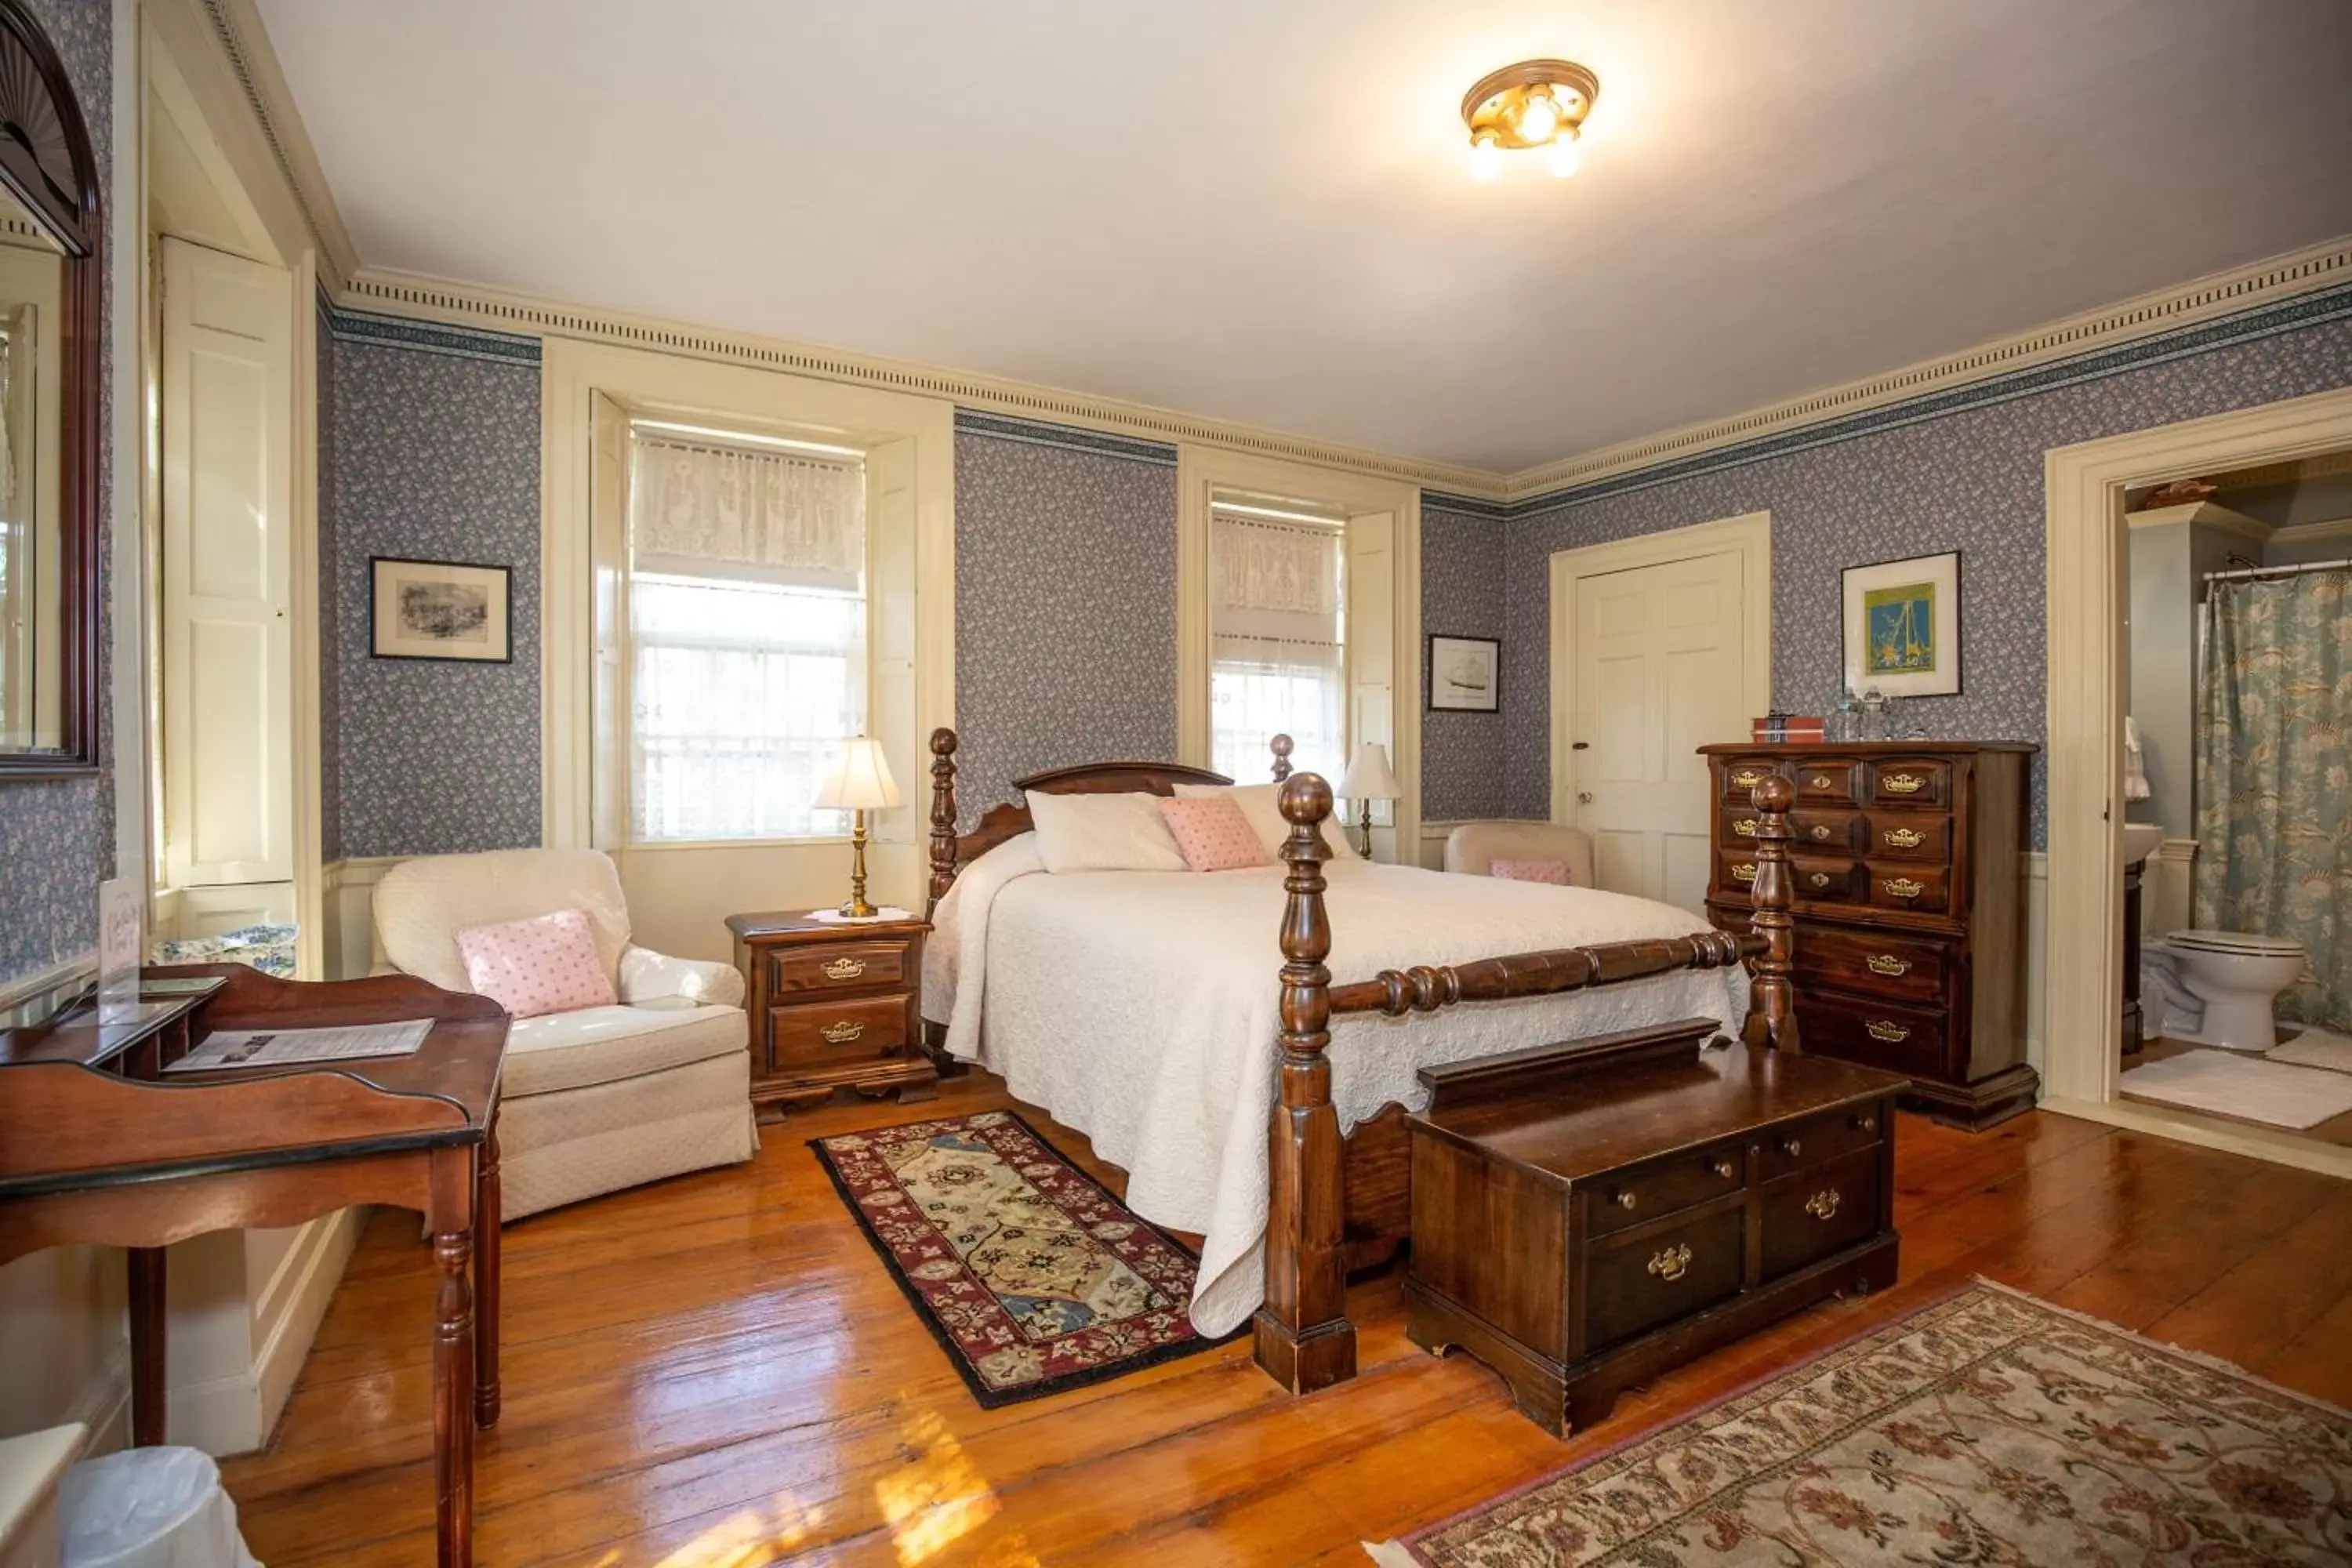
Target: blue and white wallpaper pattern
(1462, 581)
(1065, 602)
(57, 835)
(1969, 480)
(436, 446)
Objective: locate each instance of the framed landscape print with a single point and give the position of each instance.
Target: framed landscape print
(1465, 675)
(440, 609)
(1903, 626)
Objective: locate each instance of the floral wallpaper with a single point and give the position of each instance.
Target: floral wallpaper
(1462, 582)
(1962, 471)
(1065, 601)
(435, 440)
(57, 835)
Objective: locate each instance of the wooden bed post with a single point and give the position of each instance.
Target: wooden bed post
(943, 813)
(1771, 1005)
(1304, 1340)
(1281, 748)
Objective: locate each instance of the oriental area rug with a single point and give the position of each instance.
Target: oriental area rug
(1986, 1428)
(1031, 1278)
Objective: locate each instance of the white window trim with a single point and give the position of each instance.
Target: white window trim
(1206, 473)
(909, 443)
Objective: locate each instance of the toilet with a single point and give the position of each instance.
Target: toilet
(2217, 987)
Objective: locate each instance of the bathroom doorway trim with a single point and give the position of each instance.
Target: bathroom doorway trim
(2084, 961)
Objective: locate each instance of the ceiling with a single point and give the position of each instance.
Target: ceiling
(1261, 212)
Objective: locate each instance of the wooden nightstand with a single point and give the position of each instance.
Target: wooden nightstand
(832, 1006)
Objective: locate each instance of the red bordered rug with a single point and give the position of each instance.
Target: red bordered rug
(1032, 1277)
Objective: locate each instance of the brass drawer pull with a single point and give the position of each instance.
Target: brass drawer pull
(1902, 887)
(1893, 1034)
(1820, 878)
(1823, 781)
(1792, 1147)
(845, 969)
(1749, 778)
(1743, 872)
(1744, 827)
(1671, 1263)
(1886, 963)
(1865, 1123)
(1624, 1199)
(843, 1033)
(1902, 783)
(1823, 1204)
(1821, 830)
(1726, 1168)
(1904, 838)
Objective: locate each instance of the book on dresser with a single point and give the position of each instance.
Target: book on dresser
(1907, 862)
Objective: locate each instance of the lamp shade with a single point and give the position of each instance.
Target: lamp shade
(1369, 777)
(859, 779)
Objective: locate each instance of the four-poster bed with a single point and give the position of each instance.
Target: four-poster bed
(1339, 1202)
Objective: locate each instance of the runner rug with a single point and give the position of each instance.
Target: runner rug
(1987, 1428)
(1032, 1277)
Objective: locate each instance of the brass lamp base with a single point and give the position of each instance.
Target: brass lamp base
(856, 908)
(1364, 829)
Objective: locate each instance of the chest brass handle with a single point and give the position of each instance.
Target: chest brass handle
(1744, 827)
(845, 969)
(1822, 780)
(842, 1033)
(1749, 778)
(1904, 838)
(1865, 1123)
(1893, 1034)
(1623, 1199)
(1887, 963)
(1671, 1263)
(1902, 783)
(1820, 878)
(1743, 872)
(1821, 830)
(1726, 1169)
(1823, 1204)
(1792, 1147)
(1902, 887)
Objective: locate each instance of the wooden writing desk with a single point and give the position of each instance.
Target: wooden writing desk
(100, 1146)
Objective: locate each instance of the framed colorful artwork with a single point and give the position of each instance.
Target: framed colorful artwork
(1903, 626)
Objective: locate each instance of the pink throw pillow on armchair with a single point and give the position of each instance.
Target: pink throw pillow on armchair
(1552, 872)
(1212, 834)
(544, 964)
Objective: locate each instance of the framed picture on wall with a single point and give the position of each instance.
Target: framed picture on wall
(440, 609)
(1465, 675)
(1903, 626)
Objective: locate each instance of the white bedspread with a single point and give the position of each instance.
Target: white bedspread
(1141, 1008)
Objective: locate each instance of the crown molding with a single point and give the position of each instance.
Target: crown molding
(2242, 288)
(498, 309)
(244, 41)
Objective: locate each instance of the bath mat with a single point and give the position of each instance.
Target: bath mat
(2244, 1087)
(2315, 1049)
(1031, 1278)
(1987, 1427)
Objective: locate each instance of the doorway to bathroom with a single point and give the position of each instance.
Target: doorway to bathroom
(2197, 680)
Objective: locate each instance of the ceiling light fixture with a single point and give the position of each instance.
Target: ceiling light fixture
(1535, 104)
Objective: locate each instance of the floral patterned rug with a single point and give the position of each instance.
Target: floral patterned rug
(1987, 1428)
(1032, 1277)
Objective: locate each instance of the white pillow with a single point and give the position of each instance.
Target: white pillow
(1261, 803)
(1103, 833)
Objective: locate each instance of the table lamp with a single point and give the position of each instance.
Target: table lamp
(1368, 780)
(859, 781)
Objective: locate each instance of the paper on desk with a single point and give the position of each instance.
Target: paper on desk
(280, 1048)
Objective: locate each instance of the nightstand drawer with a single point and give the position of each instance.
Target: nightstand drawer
(862, 966)
(853, 1028)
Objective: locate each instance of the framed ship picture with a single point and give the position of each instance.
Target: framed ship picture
(1903, 626)
(1465, 675)
(440, 609)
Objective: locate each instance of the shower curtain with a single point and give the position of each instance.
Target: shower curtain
(2275, 775)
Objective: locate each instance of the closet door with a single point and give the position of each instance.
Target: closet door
(228, 389)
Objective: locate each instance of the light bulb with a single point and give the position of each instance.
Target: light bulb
(1564, 157)
(1538, 117)
(1486, 158)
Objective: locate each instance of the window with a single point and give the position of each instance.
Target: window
(1278, 659)
(746, 598)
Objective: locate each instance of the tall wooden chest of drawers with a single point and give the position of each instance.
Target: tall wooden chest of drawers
(1910, 935)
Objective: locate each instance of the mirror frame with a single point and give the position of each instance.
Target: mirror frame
(46, 164)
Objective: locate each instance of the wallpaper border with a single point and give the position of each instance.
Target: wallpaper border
(1038, 432)
(349, 326)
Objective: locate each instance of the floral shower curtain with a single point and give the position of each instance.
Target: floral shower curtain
(2275, 775)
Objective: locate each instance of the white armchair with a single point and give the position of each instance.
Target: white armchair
(1474, 847)
(603, 1098)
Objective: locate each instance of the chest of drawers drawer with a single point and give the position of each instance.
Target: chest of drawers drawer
(1909, 782)
(1898, 1037)
(1895, 885)
(848, 967)
(1873, 964)
(842, 1029)
(1924, 836)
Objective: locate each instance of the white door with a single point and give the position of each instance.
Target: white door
(227, 467)
(1658, 658)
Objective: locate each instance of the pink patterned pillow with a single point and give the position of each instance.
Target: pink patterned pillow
(1214, 834)
(1552, 872)
(545, 964)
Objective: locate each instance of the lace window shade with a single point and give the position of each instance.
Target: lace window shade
(1277, 662)
(746, 613)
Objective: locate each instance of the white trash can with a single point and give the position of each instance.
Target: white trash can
(150, 1508)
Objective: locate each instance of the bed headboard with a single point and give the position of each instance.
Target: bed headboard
(950, 851)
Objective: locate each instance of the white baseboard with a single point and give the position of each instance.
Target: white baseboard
(236, 1411)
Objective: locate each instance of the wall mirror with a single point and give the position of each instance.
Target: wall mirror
(52, 268)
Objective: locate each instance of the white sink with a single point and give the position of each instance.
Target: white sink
(2140, 841)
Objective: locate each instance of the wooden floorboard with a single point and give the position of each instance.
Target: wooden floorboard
(716, 1373)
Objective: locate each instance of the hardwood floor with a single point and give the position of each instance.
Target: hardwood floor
(716, 1373)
